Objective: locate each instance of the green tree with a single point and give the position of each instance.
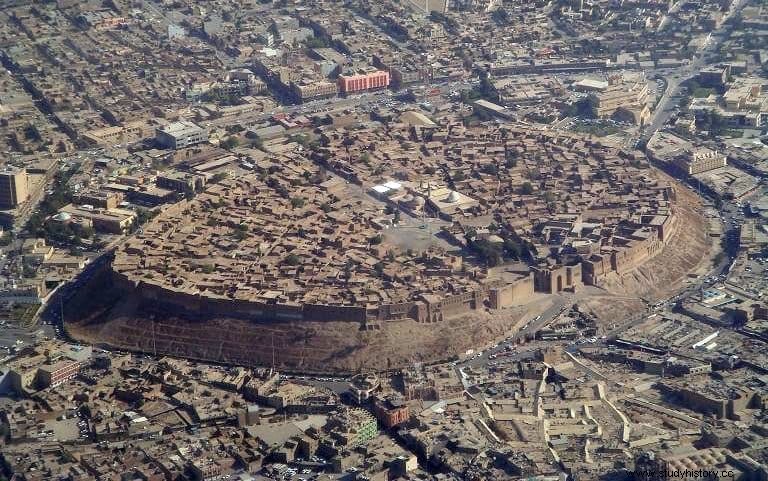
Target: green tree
(6, 238)
(230, 143)
(376, 239)
(378, 269)
(510, 159)
(219, 176)
(487, 252)
(316, 42)
(527, 188)
(292, 260)
(513, 249)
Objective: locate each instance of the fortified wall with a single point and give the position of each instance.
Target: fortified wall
(428, 308)
(637, 248)
(629, 252)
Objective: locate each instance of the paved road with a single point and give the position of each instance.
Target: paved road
(732, 216)
(670, 98)
(483, 357)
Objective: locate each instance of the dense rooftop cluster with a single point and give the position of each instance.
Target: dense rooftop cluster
(291, 233)
(452, 193)
(281, 236)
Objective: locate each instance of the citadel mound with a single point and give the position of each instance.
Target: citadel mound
(316, 261)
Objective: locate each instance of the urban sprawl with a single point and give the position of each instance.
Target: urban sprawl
(377, 241)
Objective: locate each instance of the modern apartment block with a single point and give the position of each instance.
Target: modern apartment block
(181, 134)
(13, 188)
(363, 80)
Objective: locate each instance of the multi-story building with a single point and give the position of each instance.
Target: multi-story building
(101, 20)
(105, 200)
(181, 181)
(113, 221)
(306, 89)
(59, 372)
(13, 188)
(363, 80)
(180, 134)
(363, 386)
(391, 412)
(700, 160)
(743, 105)
(622, 96)
(714, 76)
(129, 132)
(355, 426)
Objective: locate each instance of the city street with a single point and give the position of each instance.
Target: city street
(671, 97)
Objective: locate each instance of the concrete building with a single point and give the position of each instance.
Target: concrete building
(355, 426)
(59, 372)
(391, 412)
(104, 200)
(112, 221)
(13, 188)
(180, 134)
(492, 109)
(363, 386)
(625, 99)
(699, 160)
(713, 76)
(308, 89)
(181, 181)
(743, 105)
(363, 80)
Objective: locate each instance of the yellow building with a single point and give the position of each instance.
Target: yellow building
(700, 160)
(626, 99)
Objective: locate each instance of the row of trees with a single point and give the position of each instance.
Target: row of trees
(61, 196)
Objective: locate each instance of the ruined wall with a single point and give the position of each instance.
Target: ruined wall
(595, 269)
(629, 258)
(697, 401)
